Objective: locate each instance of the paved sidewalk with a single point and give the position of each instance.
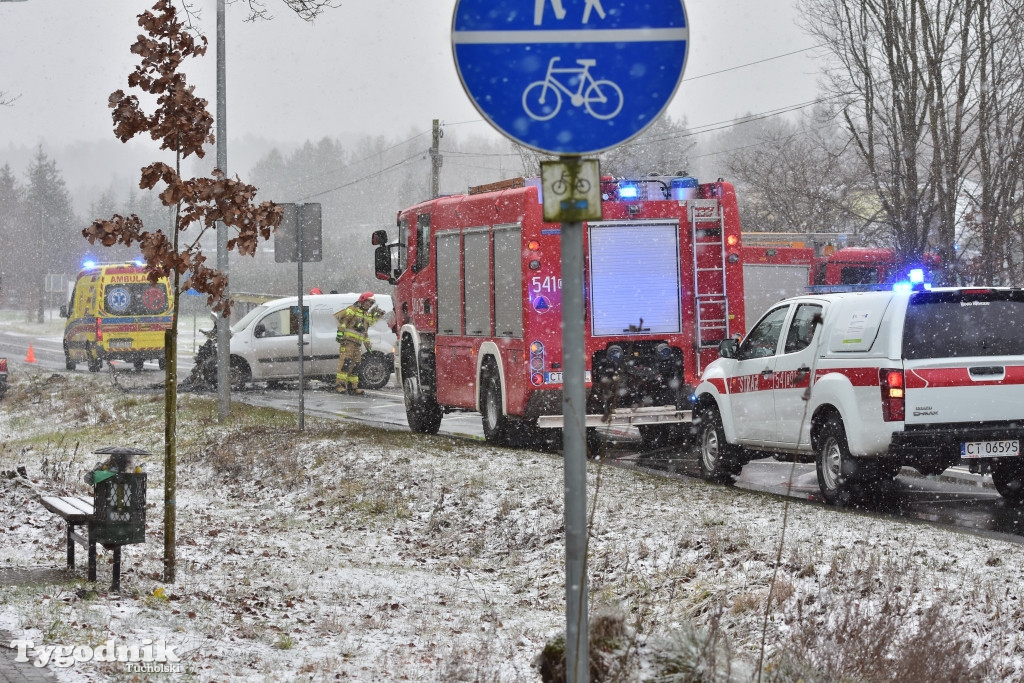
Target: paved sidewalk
(19, 672)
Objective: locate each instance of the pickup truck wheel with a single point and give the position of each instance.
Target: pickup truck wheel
(1008, 478)
(834, 463)
(374, 370)
(717, 457)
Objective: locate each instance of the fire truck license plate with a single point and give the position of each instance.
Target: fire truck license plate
(990, 449)
(556, 377)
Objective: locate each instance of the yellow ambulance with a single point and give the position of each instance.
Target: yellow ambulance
(116, 313)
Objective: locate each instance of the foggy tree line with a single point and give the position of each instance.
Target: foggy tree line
(38, 232)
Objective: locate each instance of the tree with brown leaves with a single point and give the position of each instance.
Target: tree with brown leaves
(182, 125)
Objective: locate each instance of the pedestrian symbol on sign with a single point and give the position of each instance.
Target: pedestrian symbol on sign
(556, 5)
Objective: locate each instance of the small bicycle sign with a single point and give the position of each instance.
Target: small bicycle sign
(602, 99)
(561, 186)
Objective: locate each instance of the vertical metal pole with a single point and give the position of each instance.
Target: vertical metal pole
(302, 379)
(435, 161)
(223, 323)
(575, 454)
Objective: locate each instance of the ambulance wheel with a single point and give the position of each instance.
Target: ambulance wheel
(68, 362)
(374, 370)
(717, 458)
(422, 412)
(495, 422)
(95, 363)
(139, 364)
(1008, 478)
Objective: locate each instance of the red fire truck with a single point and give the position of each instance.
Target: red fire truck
(478, 303)
(777, 266)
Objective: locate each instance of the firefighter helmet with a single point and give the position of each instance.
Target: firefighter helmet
(365, 296)
(315, 290)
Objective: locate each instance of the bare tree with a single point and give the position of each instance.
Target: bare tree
(900, 76)
(182, 125)
(800, 177)
(997, 198)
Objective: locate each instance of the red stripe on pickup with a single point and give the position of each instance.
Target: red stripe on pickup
(718, 383)
(937, 378)
(859, 377)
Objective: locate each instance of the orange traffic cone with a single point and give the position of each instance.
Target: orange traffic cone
(31, 357)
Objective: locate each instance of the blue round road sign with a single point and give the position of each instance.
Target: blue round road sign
(570, 77)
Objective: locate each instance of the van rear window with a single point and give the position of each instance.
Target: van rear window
(958, 324)
(135, 298)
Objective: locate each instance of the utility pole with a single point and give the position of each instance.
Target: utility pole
(223, 328)
(435, 160)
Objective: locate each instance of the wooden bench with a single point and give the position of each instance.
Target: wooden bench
(78, 512)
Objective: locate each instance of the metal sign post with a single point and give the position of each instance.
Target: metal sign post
(571, 79)
(299, 238)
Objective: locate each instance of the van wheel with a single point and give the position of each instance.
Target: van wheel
(95, 362)
(374, 370)
(1008, 478)
(422, 412)
(496, 423)
(718, 459)
(239, 374)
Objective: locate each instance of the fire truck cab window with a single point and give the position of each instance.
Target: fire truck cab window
(422, 242)
(858, 275)
(403, 245)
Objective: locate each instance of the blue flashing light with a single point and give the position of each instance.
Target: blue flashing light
(89, 264)
(902, 287)
(916, 276)
(139, 262)
(628, 191)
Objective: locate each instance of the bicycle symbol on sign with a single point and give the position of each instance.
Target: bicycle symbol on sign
(602, 99)
(561, 186)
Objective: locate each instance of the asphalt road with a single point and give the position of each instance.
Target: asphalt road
(957, 498)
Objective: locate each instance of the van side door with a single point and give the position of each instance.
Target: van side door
(275, 343)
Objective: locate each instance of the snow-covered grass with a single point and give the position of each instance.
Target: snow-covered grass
(346, 551)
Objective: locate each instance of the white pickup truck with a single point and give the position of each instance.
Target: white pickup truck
(866, 383)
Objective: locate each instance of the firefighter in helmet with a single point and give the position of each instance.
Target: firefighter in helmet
(353, 333)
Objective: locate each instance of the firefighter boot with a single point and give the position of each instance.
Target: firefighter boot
(355, 390)
(341, 387)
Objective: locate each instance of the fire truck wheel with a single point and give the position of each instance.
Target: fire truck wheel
(1008, 478)
(494, 420)
(422, 412)
(717, 460)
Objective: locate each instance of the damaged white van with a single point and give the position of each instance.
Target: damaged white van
(264, 343)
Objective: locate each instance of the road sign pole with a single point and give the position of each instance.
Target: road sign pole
(574, 452)
(302, 326)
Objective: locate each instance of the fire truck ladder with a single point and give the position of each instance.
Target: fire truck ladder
(708, 231)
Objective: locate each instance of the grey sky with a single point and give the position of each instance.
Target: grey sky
(371, 66)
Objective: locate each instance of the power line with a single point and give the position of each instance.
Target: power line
(365, 177)
(760, 61)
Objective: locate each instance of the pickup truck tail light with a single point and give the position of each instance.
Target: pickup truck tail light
(99, 329)
(893, 395)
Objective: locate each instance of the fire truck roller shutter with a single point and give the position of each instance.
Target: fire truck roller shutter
(476, 259)
(508, 281)
(634, 276)
(449, 284)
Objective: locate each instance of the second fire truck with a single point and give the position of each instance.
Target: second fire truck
(478, 297)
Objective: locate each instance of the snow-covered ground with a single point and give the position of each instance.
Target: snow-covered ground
(350, 552)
